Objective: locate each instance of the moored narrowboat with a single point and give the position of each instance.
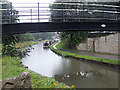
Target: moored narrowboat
(46, 45)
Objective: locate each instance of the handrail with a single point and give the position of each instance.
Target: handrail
(60, 11)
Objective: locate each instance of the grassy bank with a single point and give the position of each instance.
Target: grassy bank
(90, 58)
(0, 49)
(11, 67)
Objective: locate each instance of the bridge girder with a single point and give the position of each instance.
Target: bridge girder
(59, 26)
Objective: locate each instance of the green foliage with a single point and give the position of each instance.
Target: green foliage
(72, 39)
(11, 68)
(43, 36)
(10, 40)
(26, 37)
(8, 46)
(40, 39)
(9, 15)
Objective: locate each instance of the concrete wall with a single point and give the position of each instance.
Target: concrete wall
(106, 44)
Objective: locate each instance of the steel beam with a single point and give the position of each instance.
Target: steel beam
(59, 26)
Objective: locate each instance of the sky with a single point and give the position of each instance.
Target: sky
(33, 3)
(26, 11)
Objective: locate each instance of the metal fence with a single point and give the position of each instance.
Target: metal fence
(60, 12)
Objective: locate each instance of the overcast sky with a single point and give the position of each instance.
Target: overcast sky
(30, 1)
(26, 11)
(33, 3)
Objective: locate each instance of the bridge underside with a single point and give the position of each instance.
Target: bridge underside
(59, 26)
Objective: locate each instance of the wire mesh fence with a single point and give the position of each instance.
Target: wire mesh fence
(60, 12)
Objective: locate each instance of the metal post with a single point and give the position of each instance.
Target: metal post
(83, 12)
(76, 9)
(31, 14)
(62, 12)
(79, 12)
(38, 11)
(11, 12)
(83, 6)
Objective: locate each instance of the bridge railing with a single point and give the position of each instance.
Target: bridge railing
(60, 12)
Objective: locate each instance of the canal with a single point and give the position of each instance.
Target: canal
(70, 71)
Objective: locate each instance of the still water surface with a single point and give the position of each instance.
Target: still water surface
(69, 70)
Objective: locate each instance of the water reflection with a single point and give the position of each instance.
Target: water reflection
(69, 70)
(88, 80)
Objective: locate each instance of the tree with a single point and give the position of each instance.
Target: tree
(10, 15)
(43, 36)
(72, 39)
(8, 46)
(26, 37)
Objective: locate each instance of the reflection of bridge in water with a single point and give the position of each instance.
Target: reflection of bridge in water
(60, 16)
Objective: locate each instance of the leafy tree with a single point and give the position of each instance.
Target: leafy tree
(26, 37)
(9, 49)
(44, 35)
(10, 15)
(72, 39)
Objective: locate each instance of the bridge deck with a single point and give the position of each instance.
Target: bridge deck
(59, 26)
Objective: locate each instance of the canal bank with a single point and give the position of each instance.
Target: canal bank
(67, 53)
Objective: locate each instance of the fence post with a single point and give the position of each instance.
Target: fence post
(11, 12)
(76, 8)
(31, 14)
(62, 12)
(38, 11)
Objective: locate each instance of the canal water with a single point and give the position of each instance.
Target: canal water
(70, 71)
